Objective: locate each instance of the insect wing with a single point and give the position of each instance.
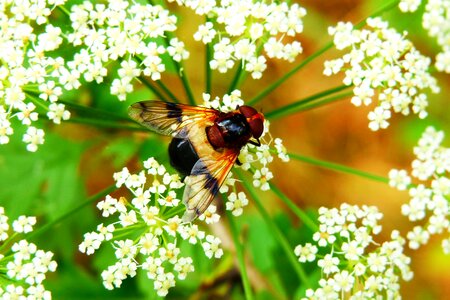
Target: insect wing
(207, 175)
(170, 118)
(204, 183)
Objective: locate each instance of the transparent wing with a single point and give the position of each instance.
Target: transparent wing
(170, 118)
(207, 175)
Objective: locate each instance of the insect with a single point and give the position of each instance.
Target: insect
(205, 144)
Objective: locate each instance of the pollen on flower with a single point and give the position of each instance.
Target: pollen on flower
(146, 233)
(351, 264)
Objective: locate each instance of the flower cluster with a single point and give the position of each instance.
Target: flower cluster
(253, 158)
(355, 266)
(435, 20)
(121, 31)
(429, 202)
(28, 73)
(25, 264)
(238, 29)
(149, 230)
(381, 63)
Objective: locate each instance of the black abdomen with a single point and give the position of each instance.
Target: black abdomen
(182, 156)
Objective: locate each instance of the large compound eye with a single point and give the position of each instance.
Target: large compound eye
(254, 119)
(257, 126)
(247, 111)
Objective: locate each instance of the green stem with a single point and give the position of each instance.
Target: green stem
(297, 105)
(152, 88)
(178, 66)
(325, 101)
(288, 249)
(158, 82)
(378, 12)
(294, 70)
(34, 97)
(167, 91)
(338, 167)
(96, 112)
(185, 81)
(240, 256)
(208, 72)
(237, 78)
(65, 216)
(64, 10)
(104, 123)
(300, 213)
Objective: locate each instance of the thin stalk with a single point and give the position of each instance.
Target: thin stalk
(237, 78)
(187, 86)
(338, 167)
(152, 88)
(208, 72)
(378, 12)
(71, 212)
(64, 10)
(294, 70)
(325, 48)
(178, 65)
(293, 107)
(287, 248)
(167, 91)
(240, 257)
(159, 83)
(300, 213)
(100, 113)
(104, 123)
(325, 101)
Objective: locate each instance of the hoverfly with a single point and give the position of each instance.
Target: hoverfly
(205, 144)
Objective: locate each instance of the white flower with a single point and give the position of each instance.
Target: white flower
(384, 68)
(108, 206)
(306, 253)
(261, 178)
(328, 264)
(148, 243)
(428, 202)
(211, 247)
(177, 50)
(121, 87)
(399, 179)
(57, 113)
(125, 249)
(24, 224)
(409, 5)
(33, 137)
(378, 118)
(210, 216)
(417, 237)
(355, 264)
(26, 267)
(205, 33)
(184, 266)
(435, 20)
(27, 113)
(236, 203)
(49, 91)
(91, 242)
(343, 281)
